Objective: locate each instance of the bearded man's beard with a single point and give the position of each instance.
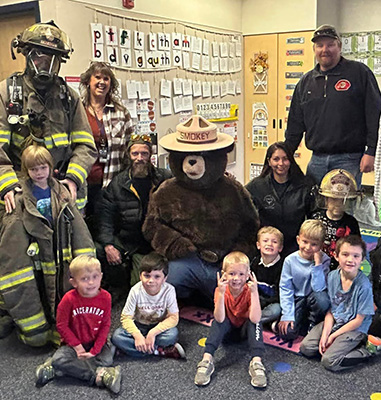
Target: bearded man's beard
(141, 169)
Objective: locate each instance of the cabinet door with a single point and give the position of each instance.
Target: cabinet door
(253, 45)
(295, 57)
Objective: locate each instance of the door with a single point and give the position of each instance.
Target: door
(10, 26)
(296, 57)
(267, 44)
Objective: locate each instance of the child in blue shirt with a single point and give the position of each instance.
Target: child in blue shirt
(341, 337)
(303, 296)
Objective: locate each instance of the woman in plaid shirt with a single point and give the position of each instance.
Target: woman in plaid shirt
(111, 125)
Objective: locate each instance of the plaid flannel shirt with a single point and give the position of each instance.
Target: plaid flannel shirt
(118, 127)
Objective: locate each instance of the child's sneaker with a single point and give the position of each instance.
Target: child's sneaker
(110, 377)
(175, 351)
(205, 369)
(373, 345)
(257, 372)
(274, 327)
(44, 373)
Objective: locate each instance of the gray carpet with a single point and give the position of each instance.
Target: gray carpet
(157, 378)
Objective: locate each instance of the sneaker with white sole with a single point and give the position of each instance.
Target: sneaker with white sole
(44, 373)
(110, 378)
(205, 369)
(257, 372)
(175, 351)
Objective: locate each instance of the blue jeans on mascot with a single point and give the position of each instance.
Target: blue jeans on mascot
(191, 274)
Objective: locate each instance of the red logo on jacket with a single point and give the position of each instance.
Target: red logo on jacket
(342, 85)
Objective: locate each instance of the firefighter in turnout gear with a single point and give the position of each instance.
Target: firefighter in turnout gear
(38, 240)
(36, 106)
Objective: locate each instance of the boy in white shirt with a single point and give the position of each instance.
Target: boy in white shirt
(150, 315)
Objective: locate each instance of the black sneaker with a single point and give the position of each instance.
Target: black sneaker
(175, 351)
(44, 373)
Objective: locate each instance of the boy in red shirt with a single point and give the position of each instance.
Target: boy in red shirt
(83, 321)
(236, 310)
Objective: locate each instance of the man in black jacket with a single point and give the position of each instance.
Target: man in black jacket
(337, 105)
(123, 210)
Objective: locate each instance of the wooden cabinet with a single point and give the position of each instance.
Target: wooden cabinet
(289, 54)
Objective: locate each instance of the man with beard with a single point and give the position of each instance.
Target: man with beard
(337, 105)
(122, 213)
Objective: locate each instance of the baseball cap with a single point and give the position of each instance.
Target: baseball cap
(325, 31)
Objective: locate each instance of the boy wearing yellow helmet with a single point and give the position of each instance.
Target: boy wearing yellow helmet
(336, 188)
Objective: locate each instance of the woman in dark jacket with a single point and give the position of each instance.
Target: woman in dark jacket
(282, 194)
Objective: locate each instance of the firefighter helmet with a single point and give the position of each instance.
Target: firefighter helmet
(45, 36)
(339, 184)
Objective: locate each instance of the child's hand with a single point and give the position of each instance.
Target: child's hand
(85, 356)
(150, 342)
(222, 283)
(252, 284)
(323, 344)
(318, 257)
(140, 344)
(79, 350)
(283, 326)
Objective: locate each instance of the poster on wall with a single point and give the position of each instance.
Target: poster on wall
(255, 170)
(260, 122)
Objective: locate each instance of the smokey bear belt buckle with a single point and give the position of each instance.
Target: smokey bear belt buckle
(209, 256)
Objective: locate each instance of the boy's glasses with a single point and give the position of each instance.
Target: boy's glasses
(144, 137)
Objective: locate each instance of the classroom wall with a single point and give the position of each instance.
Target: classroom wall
(272, 16)
(224, 14)
(328, 12)
(74, 18)
(358, 15)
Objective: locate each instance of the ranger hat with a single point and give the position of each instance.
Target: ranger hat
(196, 135)
(325, 31)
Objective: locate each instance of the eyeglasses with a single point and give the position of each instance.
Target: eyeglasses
(144, 137)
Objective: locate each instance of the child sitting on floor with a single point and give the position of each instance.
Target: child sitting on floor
(150, 315)
(237, 314)
(336, 188)
(267, 269)
(303, 296)
(340, 338)
(83, 321)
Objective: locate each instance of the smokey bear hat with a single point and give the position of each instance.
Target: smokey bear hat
(196, 134)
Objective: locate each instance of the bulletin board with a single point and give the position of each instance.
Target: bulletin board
(168, 70)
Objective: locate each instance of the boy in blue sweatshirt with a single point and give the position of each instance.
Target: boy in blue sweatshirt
(303, 295)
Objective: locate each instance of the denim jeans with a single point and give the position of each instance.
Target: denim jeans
(271, 313)
(229, 333)
(309, 311)
(126, 342)
(66, 363)
(320, 164)
(192, 274)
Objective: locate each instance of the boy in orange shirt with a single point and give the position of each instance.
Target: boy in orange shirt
(236, 309)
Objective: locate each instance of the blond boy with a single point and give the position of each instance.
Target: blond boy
(236, 308)
(83, 321)
(303, 295)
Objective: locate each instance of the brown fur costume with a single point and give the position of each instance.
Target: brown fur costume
(211, 214)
